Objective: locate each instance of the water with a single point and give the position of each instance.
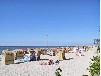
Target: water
(25, 47)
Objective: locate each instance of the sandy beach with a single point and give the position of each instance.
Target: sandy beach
(37, 37)
(72, 66)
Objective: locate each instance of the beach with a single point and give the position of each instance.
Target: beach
(72, 66)
(37, 37)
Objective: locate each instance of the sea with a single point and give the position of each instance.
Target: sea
(25, 47)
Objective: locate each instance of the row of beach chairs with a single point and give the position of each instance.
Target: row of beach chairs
(8, 56)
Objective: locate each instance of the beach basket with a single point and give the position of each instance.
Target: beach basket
(19, 54)
(60, 55)
(7, 57)
(63, 54)
(30, 50)
(38, 54)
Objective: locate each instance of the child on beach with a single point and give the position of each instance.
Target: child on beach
(79, 53)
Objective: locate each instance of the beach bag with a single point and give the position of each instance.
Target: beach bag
(57, 62)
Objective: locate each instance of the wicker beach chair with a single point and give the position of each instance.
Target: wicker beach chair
(38, 53)
(60, 55)
(19, 54)
(7, 57)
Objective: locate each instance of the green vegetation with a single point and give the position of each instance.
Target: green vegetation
(94, 68)
(57, 73)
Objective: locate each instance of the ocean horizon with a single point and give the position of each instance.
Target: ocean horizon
(25, 47)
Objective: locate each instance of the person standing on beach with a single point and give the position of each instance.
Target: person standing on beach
(36, 56)
(53, 53)
(33, 58)
(98, 49)
(78, 48)
(85, 48)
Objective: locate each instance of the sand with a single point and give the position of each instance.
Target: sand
(73, 66)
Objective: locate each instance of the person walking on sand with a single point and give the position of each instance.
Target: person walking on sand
(79, 53)
(78, 48)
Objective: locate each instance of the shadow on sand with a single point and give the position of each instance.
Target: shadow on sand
(63, 59)
(44, 59)
(68, 58)
(19, 62)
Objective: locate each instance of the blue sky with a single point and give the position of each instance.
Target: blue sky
(67, 22)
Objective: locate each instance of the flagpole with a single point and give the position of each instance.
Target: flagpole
(47, 39)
